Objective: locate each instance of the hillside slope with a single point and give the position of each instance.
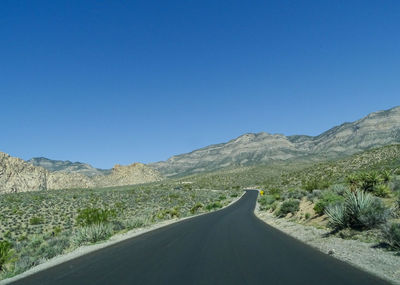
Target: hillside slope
(67, 166)
(375, 130)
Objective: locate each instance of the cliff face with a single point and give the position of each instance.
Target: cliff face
(16, 175)
(376, 129)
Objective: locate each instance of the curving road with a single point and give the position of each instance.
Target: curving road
(230, 246)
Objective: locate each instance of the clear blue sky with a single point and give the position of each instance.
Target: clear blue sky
(108, 82)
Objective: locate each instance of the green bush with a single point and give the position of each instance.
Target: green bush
(266, 201)
(295, 194)
(92, 233)
(382, 190)
(360, 210)
(36, 220)
(365, 181)
(212, 206)
(6, 253)
(196, 207)
(315, 183)
(90, 216)
(327, 198)
(392, 235)
(288, 206)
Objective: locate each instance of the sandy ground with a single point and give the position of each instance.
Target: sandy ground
(90, 248)
(385, 264)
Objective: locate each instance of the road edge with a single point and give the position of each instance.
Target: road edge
(380, 275)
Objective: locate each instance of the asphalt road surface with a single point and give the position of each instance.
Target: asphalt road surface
(230, 246)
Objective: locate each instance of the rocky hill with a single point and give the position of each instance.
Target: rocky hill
(135, 173)
(377, 129)
(16, 175)
(67, 166)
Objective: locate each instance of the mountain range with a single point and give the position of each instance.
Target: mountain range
(377, 129)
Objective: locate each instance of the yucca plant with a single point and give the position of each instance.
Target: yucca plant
(92, 233)
(360, 210)
(337, 216)
(386, 175)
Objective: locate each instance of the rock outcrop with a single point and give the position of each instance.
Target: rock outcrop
(16, 175)
(135, 173)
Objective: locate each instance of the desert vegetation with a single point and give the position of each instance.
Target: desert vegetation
(356, 197)
(36, 226)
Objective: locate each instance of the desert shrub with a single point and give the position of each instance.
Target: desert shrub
(295, 194)
(288, 206)
(315, 183)
(90, 216)
(212, 206)
(274, 206)
(36, 220)
(392, 235)
(327, 198)
(360, 210)
(386, 175)
(168, 213)
(53, 247)
(394, 184)
(338, 189)
(135, 223)
(196, 207)
(365, 181)
(92, 233)
(117, 226)
(382, 190)
(6, 253)
(266, 201)
(274, 192)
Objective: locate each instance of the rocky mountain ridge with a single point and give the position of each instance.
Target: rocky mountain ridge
(67, 166)
(377, 129)
(16, 175)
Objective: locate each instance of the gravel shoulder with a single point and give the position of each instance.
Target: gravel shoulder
(93, 247)
(385, 264)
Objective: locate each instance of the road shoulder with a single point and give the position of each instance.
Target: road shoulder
(377, 261)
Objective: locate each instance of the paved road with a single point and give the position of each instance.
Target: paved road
(230, 246)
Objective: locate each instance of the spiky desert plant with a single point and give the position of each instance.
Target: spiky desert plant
(92, 233)
(353, 180)
(382, 190)
(337, 216)
(386, 175)
(363, 210)
(369, 180)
